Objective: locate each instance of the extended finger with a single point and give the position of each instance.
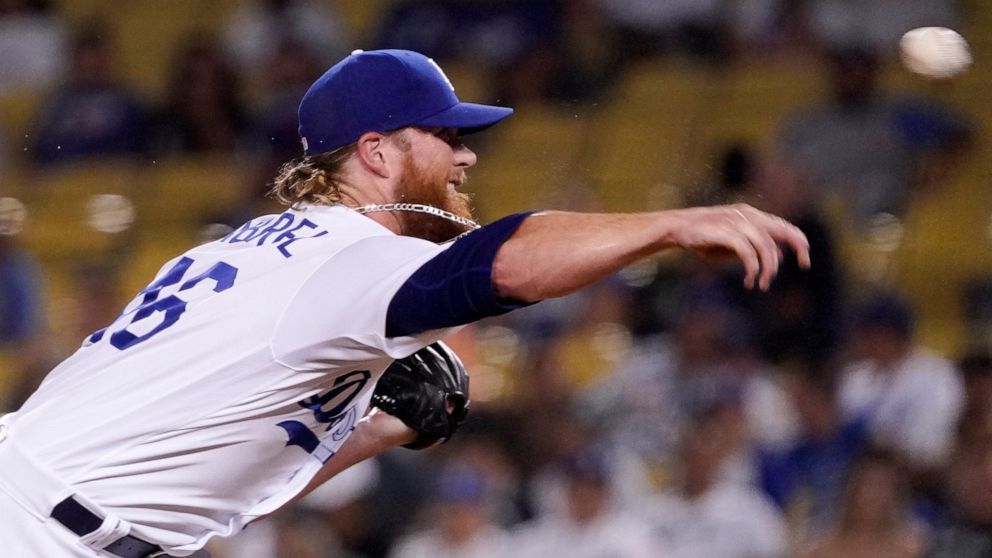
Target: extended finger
(748, 256)
(790, 235)
(767, 251)
(783, 232)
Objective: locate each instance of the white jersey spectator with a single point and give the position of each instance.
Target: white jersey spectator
(256, 30)
(490, 542)
(912, 407)
(708, 515)
(613, 533)
(909, 397)
(592, 523)
(464, 526)
(33, 44)
(726, 521)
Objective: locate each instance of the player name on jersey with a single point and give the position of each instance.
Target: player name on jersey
(278, 230)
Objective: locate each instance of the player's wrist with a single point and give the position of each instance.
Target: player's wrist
(387, 430)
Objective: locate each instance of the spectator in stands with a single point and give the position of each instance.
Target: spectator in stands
(807, 479)
(23, 348)
(203, 113)
(909, 397)
(976, 370)
(91, 114)
(707, 516)
(648, 28)
(32, 43)
(870, 149)
(799, 316)
(21, 312)
(462, 525)
(307, 529)
(969, 534)
(586, 57)
(755, 400)
(665, 381)
(877, 24)
(292, 70)
(511, 41)
(593, 523)
(257, 30)
(875, 519)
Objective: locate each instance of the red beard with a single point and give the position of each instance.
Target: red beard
(418, 185)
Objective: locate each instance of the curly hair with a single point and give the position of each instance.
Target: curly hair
(311, 179)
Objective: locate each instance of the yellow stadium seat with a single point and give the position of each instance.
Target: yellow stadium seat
(751, 102)
(646, 137)
(18, 110)
(364, 17)
(194, 190)
(531, 153)
(154, 248)
(59, 223)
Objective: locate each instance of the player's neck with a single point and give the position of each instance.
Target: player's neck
(372, 193)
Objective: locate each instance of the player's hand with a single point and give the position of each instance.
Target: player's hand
(752, 236)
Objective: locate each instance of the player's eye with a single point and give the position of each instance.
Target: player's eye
(447, 135)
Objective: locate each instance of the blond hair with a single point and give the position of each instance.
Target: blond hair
(312, 179)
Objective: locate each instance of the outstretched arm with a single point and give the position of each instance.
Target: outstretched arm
(552, 254)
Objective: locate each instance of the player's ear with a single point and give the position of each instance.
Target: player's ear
(371, 150)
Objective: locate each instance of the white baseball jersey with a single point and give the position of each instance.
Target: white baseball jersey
(226, 383)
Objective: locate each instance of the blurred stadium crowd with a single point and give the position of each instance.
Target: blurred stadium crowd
(665, 412)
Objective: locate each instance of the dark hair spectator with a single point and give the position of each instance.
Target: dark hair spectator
(203, 112)
(868, 147)
(292, 70)
(91, 114)
(969, 531)
(875, 520)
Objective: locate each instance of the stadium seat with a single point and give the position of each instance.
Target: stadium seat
(648, 137)
(58, 225)
(193, 190)
(153, 248)
(17, 114)
(531, 153)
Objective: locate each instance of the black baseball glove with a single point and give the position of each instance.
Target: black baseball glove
(428, 391)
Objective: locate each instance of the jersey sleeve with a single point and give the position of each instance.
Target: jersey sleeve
(339, 313)
(456, 286)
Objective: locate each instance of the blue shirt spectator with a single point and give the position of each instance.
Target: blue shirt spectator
(91, 115)
(20, 298)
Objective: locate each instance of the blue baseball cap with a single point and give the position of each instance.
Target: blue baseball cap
(381, 91)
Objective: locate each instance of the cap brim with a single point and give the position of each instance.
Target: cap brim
(467, 117)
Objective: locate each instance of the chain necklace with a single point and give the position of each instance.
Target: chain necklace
(421, 208)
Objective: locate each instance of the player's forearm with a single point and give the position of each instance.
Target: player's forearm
(555, 253)
(377, 433)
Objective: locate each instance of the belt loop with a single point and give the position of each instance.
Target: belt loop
(112, 529)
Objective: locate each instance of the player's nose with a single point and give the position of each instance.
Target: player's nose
(464, 157)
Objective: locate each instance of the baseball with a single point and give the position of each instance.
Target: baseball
(935, 52)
